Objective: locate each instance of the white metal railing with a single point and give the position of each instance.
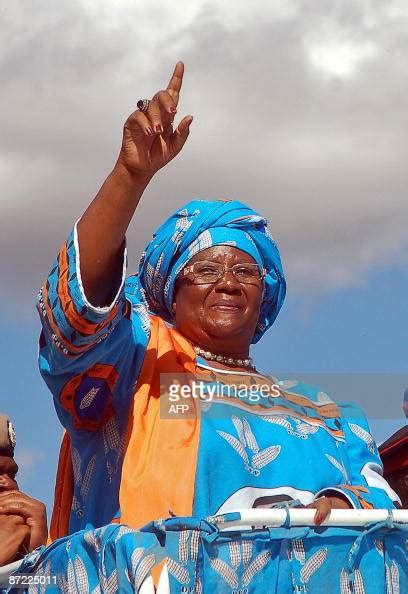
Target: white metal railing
(305, 517)
(297, 517)
(259, 518)
(7, 570)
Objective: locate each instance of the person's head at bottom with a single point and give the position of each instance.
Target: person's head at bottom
(8, 466)
(399, 482)
(394, 454)
(23, 520)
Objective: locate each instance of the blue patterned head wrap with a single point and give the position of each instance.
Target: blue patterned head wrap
(197, 226)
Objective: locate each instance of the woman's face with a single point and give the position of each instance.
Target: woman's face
(221, 316)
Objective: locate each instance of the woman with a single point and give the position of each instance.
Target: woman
(210, 282)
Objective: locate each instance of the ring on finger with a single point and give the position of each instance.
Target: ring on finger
(143, 105)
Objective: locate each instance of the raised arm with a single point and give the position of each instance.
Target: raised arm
(149, 143)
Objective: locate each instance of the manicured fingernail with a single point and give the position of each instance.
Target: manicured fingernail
(159, 128)
(318, 519)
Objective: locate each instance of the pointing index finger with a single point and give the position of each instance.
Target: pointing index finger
(176, 81)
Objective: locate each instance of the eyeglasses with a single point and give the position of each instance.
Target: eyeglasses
(206, 272)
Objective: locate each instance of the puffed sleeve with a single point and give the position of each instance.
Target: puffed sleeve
(366, 488)
(89, 356)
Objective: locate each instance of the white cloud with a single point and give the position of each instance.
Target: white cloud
(320, 150)
(341, 58)
(239, 15)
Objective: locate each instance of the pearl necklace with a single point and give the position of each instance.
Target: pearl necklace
(225, 359)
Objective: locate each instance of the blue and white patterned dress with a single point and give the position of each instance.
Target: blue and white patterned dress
(278, 447)
(250, 452)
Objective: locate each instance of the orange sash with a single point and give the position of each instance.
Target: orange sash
(161, 456)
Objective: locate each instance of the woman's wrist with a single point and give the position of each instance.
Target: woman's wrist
(338, 500)
(135, 182)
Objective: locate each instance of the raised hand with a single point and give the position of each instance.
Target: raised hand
(149, 140)
(32, 512)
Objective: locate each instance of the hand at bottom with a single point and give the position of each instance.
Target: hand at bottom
(324, 505)
(14, 538)
(31, 512)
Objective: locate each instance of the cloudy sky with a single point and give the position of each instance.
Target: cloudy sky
(299, 109)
